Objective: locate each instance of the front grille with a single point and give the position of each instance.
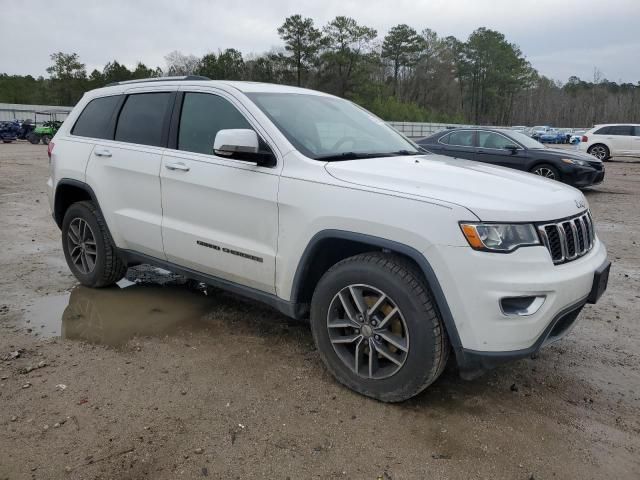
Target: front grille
(568, 239)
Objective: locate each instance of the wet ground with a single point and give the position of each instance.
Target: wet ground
(160, 378)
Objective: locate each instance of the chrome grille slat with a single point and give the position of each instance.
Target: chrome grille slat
(563, 242)
(583, 233)
(568, 239)
(574, 234)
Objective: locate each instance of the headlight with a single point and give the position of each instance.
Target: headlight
(575, 162)
(499, 237)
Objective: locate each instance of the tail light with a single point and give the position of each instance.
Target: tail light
(584, 139)
(50, 149)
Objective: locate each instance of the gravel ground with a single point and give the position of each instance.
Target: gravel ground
(158, 380)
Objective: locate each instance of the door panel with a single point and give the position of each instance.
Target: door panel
(619, 137)
(220, 217)
(491, 150)
(126, 180)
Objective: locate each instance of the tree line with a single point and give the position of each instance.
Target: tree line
(405, 76)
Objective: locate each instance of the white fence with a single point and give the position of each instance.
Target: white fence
(419, 129)
(36, 113)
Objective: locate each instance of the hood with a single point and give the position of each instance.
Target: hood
(492, 193)
(573, 154)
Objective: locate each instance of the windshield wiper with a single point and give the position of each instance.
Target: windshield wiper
(399, 153)
(361, 155)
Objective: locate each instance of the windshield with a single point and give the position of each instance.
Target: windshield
(525, 140)
(329, 128)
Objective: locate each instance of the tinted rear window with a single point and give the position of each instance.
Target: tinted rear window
(95, 119)
(615, 130)
(142, 118)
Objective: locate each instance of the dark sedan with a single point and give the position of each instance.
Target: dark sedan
(513, 149)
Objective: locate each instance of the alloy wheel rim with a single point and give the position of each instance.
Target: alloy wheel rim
(368, 332)
(82, 246)
(598, 152)
(545, 172)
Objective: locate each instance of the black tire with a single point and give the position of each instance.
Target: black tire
(107, 268)
(33, 138)
(428, 350)
(547, 171)
(600, 151)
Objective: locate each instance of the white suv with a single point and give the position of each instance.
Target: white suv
(613, 140)
(314, 206)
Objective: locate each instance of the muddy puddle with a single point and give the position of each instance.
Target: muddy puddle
(152, 302)
(112, 316)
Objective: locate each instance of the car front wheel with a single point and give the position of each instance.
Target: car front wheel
(376, 327)
(546, 171)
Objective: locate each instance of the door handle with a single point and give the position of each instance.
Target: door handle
(177, 166)
(102, 152)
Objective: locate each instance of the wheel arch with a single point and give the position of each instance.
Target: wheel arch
(328, 247)
(69, 191)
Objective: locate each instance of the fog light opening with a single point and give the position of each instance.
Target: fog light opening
(521, 306)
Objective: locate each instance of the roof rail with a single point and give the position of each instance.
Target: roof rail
(160, 79)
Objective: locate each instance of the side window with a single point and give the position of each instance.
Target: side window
(203, 115)
(142, 118)
(603, 131)
(625, 130)
(493, 140)
(444, 139)
(637, 131)
(463, 138)
(95, 119)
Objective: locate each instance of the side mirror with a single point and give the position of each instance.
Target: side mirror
(512, 148)
(232, 141)
(241, 144)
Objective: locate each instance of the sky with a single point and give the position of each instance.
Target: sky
(560, 38)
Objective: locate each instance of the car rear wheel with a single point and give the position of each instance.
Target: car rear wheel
(546, 171)
(599, 151)
(33, 138)
(88, 247)
(376, 327)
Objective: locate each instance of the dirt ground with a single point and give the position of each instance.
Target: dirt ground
(156, 380)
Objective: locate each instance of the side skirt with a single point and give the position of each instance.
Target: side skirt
(290, 309)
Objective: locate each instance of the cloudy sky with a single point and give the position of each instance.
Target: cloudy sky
(559, 37)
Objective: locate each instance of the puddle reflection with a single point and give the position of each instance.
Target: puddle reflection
(112, 316)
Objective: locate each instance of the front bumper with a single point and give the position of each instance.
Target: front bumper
(584, 176)
(472, 363)
(475, 282)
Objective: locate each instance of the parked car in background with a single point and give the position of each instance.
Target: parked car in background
(536, 132)
(512, 149)
(552, 136)
(519, 128)
(566, 134)
(612, 140)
